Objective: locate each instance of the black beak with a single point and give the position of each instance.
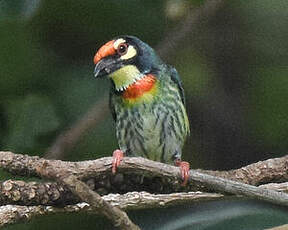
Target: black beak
(104, 67)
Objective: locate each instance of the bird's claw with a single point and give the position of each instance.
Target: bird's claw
(117, 157)
(184, 169)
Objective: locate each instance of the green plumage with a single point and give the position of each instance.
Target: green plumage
(156, 129)
(151, 119)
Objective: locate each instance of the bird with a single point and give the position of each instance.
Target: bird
(146, 101)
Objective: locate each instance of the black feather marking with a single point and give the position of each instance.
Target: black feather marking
(172, 125)
(163, 152)
(141, 144)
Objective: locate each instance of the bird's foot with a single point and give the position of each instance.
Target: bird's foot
(117, 157)
(184, 169)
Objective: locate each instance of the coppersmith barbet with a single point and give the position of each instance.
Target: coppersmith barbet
(146, 100)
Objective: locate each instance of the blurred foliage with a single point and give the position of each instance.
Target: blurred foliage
(75, 29)
(29, 119)
(233, 67)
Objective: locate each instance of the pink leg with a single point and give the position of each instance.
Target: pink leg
(184, 168)
(117, 157)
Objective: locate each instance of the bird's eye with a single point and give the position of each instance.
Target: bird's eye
(122, 49)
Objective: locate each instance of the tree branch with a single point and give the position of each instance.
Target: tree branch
(133, 174)
(282, 227)
(10, 214)
(26, 166)
(35, 193)
(52, 193)
(168, 175)
(118, 217)
(271, 170)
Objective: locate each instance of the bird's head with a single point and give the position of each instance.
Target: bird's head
(125, 59)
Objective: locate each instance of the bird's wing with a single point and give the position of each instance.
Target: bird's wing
(175, 78)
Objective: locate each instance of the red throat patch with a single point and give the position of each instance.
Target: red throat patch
(140, 87)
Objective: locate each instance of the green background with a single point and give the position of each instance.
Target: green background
(233, 66)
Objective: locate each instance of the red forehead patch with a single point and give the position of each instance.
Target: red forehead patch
(104, 51)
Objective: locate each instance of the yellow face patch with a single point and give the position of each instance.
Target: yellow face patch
(118, 42)
(125, 76)
(130, 53)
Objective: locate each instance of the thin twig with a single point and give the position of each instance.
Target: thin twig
(281, 187)
(69, 138)
(271, 170)
(237, 188)
(118, 217)
(194, 17)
